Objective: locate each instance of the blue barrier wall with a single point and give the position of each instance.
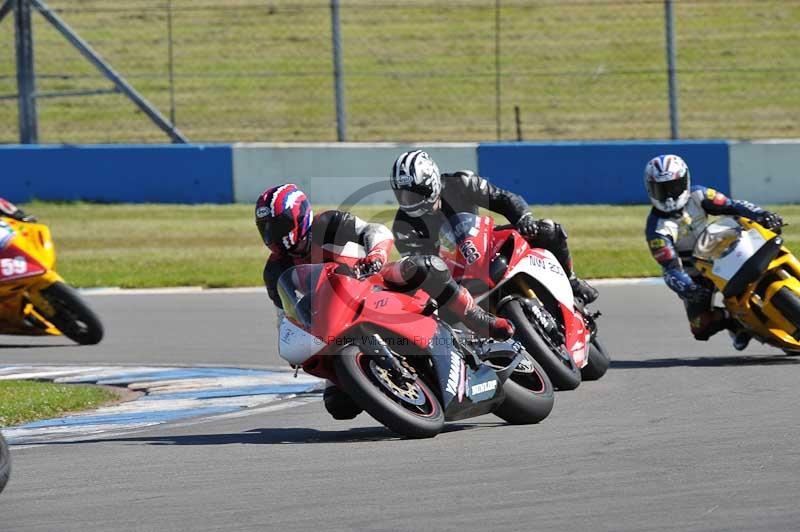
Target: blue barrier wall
(595, 172)
(568, 172)
(116, 173)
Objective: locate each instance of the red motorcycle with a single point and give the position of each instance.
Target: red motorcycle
(397, 360)
(528, 286)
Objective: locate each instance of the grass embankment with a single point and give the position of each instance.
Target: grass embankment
(25, 401)
(218, 245)
(246, 70)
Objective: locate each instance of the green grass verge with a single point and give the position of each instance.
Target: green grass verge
(218, 246)
(25, 401)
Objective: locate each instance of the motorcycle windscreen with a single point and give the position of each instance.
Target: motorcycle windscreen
(464, 238)
(727, 246)
(297, 287)
(462, 226)
(717, 239)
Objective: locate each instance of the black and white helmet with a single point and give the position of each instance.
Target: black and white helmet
(668, 182)
(416, 182)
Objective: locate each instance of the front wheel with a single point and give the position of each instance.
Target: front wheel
(71, 315)
(529, 394)
(5, 463)
(556, 362)
(409, 409)
(598, 363)
(788, 303)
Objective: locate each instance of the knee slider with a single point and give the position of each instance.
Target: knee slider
(551, 231)
(412, 270)
(436, 272)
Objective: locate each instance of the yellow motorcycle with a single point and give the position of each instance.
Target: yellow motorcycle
(34, 299)
(758, 277)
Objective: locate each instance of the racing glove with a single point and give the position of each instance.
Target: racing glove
(527, 226)
(771, 221)
(372, 263)
(681, 283)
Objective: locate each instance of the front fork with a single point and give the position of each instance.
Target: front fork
(589, 319)
(34, 293)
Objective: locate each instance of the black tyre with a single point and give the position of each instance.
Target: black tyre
(5, 463)
(557, 363)
(529, 395)
(72, 316)
(789, 304)
(598, 364)
(411, 410)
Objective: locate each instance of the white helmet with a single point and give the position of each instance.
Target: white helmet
(667, 180)
(416, 182)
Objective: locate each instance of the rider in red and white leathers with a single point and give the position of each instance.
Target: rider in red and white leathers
(288, 227)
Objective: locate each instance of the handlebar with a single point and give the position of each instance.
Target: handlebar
(360, 274)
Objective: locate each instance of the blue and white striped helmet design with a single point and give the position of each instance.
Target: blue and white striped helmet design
(416, 182)
(668, 182)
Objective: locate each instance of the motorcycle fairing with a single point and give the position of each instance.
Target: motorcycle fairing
(543, 266)
(748, 244)
(17, 264)
(295, 345)
(464, 392)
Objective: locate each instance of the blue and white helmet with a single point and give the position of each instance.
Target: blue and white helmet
(667, 181)
(416, 182)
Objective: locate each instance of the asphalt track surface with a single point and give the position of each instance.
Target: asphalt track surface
(679, 435)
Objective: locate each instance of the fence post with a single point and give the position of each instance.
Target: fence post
(170, 64)
(26, 80)
(672, 75)
(121, 85)
(498, 103)
(338, 73)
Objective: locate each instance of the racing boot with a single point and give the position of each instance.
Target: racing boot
(708, 323)
(338, 404)
(478, 320)
(740, 339)
(583, 290)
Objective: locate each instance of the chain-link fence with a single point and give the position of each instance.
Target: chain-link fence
(415, 70)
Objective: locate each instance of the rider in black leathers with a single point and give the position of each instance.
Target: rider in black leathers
(428, 199)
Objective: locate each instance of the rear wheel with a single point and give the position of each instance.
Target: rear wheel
(598, 363)
(72, 317)
(5, 462)
(529, 394)
(555, 359)
(409, 409)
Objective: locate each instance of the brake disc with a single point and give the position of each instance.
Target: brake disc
(408, 392)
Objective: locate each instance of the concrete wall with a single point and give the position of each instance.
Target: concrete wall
(766, 172)
(334, 174)
(117, 173)
(594, 172)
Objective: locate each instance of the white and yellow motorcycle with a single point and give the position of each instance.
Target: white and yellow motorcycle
(758, 277)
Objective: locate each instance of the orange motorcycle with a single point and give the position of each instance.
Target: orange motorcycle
(34, 299)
